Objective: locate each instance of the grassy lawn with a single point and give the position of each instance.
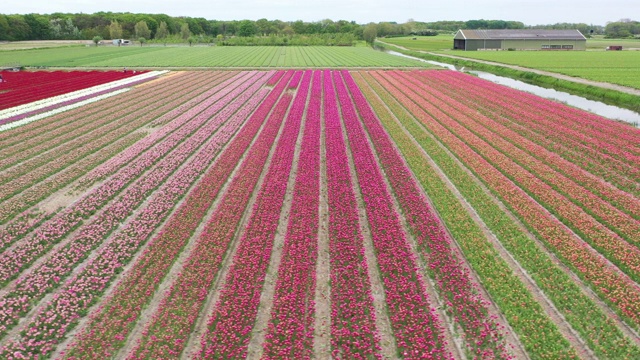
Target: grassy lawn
(205, 56)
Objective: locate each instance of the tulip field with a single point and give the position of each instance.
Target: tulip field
(296, 214)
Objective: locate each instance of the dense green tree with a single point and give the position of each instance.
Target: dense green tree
(96, 40)
(115, 30)
(185, 33)
(142, 30)
(370, 33)
(246, 28)
(162, 31)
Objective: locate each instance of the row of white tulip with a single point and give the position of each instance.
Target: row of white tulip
(44, 103)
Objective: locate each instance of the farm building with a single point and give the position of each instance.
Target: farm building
(521, 39)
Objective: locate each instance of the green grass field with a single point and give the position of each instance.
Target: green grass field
(618, 67)
(250, 57)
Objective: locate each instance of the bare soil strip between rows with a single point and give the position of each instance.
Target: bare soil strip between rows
(322, 322)
(267, 295)
(172, 275)
(43, 302)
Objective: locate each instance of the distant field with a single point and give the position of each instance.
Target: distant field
(36, 44)
(618, 67)
(253, 56)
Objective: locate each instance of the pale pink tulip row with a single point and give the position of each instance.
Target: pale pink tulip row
(454, 284)
(290, 330)
(578, 198)
(170, 121)
(615, 287)
(37, 192)
(415, 324)
(353, 326)
(230, 326)
(575, 164)
(25, 251)
(605, 241)
(47, 275)
(21, 225)
(111, 323)
(83, 289)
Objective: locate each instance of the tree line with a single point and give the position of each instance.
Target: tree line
(165, 28)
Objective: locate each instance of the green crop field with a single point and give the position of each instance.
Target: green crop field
(618, 67)
(253, 56)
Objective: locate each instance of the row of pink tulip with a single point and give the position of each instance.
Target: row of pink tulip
(598, 132)
(584, 140)
(28, 249)
(54, 181)
(52, 131)
(60, 263)
(290, 331)
(353, 326)
(617, 288)
(229, 327)
(72, 138)
(110, 325)
(532, 124)
(470, 310)
(84, 288)
(170, 121)
(415, 324)
(578, 198)
(22, 225)
(607, 242)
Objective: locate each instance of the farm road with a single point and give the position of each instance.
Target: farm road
(604, 85)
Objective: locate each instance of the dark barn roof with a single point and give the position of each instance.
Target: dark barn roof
(519, 34)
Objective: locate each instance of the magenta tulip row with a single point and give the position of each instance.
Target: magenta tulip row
(583, 139)
(61, 262)
(453, 282)
(417, 328)
(290, 331)
(607, 242)
(28, 249)
(230, 326)
(575, 199)
(112, 322)
(537, 145)
(353, 326)
(617, 288)
(83, 289)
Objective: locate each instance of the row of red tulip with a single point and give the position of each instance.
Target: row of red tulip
(127, 123)
(484, 131)
(575, 163)
(290, 331)
(584, 140)
(453, 282)
(26, 86)
(595, 131)
(28, 249)
(83, 289)
(230, 325)
(112, 322)
(514, 299)
(353, 326)
(61, 262)
(617, 288)
(610, 244)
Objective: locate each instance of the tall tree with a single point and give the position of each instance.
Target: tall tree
(185, 33)
(115, 30)
(142, 30)
(370, 33)
(247, 28)
(162, 31)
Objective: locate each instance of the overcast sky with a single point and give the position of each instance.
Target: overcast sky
(530, 12)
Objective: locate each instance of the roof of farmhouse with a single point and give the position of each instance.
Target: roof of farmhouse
(519, 34)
